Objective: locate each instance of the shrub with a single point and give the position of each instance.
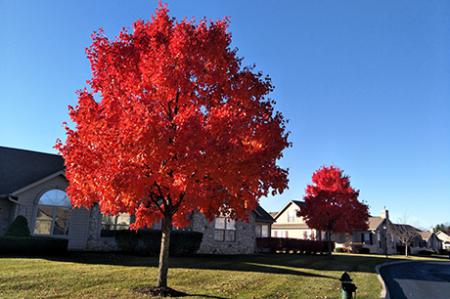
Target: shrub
(340, 249)
(296, 245)
(148, 242)
(32, 245)
(18, 240)
(363, 250)
(443, 251)
(19, 228)
(426, 252)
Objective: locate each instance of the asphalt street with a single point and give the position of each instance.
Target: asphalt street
(417, 280)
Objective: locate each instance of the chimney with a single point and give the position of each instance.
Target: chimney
(385, 213)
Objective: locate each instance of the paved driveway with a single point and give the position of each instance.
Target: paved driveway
(417, 280)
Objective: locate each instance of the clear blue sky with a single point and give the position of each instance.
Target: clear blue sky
(365, 84)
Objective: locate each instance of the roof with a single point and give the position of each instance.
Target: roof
(298, 203)
(20, 168)
(261, 215)
(273, 214)
(374, 222)
(443, 236)
(407, 229)
(426, 235)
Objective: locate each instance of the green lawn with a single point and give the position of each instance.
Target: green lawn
(259, 276)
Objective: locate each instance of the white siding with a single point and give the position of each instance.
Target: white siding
(289, 216)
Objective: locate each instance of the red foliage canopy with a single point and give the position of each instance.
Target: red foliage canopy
(179, 125)
(331, 204)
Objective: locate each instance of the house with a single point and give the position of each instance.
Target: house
(430, 240)
(445, 239)
(289, 225)
(385, 237)
(227, 236)
(381, 237)
(378, 238)
(33, 184)
(408, 234)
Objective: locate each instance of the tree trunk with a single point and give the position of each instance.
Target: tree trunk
(164, 252)
(406, 249)
(328, 233)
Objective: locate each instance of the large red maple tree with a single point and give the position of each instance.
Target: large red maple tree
(331, 204)
(172, 123)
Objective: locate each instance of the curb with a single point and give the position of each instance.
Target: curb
(384, 292)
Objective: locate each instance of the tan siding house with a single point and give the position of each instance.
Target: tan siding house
(289, 225)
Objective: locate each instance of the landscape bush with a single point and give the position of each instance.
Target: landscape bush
(425, 252)
(294, 245)
(147, 242)
(19, 228)
(32, 245)
(18, 241)
(363, 250)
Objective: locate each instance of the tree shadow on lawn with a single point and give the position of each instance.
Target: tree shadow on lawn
(263, 263)
(251, 263)
(169, 292)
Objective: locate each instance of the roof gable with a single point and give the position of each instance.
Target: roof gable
(261, 215)
(20, 168)
(443, 236)
(298, 203)
(426, 235)
(374, 223)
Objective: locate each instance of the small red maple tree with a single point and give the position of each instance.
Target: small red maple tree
(331, 204)
(180, 126)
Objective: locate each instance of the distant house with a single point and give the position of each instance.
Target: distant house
(33, 184)
(445, 239)
(289, 225)
(418, 240)
(431, 241)
(378, 238)
(381, 237)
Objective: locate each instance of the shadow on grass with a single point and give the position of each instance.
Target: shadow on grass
(169, 292)
(290, 264)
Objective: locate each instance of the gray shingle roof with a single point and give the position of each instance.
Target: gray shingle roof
(19, 168)
(262, 216)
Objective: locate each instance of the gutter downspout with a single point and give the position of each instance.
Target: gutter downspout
(14, 199)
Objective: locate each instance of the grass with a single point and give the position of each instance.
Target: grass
(258, 276)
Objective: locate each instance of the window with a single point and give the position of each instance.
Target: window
(116, 222)
(292, 214)
(262, 230)
(225, 229)
(366, 238)
(53, 214)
